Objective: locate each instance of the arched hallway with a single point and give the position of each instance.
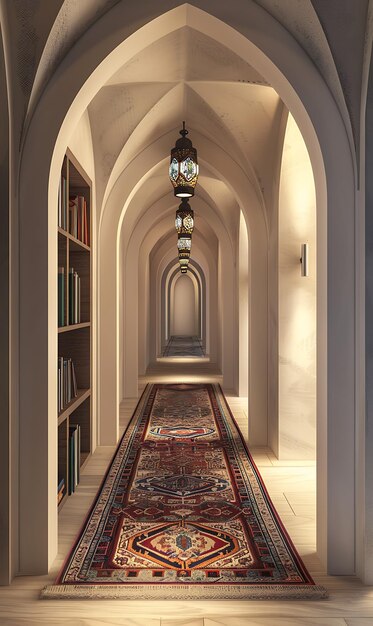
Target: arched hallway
(282, 154)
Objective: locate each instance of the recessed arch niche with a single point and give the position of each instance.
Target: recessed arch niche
(168, 278)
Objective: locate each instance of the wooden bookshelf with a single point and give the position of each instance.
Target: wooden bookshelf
(74, 333)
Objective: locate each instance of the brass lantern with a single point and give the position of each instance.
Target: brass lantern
(184, 222)
(183, 169)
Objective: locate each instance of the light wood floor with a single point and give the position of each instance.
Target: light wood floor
(292, 488)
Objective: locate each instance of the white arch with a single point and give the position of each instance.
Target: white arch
(168, 278)
(252, 33)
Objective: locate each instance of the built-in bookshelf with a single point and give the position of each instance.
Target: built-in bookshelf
(74, 366)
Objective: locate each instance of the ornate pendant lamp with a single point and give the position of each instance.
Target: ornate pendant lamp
(183, 169)
(184, 221)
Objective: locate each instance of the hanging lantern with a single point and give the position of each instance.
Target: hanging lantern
(183, 169)
(184, 222)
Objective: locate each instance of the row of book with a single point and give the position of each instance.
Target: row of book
(78, 218)
(74, 463)
(74, 297)
(73, 213)
(67, 385)
(74, 457)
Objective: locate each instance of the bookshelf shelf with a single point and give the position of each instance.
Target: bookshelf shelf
(74, 414)
(83, 394)
(76, 244)
(69, 327)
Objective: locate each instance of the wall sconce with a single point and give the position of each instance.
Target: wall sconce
(304, 259)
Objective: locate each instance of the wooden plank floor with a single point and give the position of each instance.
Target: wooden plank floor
(292, 488)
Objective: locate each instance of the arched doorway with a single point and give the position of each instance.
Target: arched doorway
(325, 136)
(184, 307)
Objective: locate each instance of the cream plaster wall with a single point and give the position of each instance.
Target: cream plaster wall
(80, 144)
(297, 301)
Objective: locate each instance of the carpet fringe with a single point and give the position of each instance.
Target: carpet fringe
(184, 592)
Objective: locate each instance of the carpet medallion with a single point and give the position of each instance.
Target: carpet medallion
(183, 512)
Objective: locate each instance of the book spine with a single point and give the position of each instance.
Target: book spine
(78, 300)
(86, 229)
(75, 298)
(79, 443)
(71, 457)
(75, 457)
(61, 382)
(65, 397)
(69, 385)
(71, 295)
(58, 386)
(61, 296)
(80, 217)
(75, 387)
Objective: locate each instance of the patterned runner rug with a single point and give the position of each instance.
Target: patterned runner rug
(183, 512)
(182, 345)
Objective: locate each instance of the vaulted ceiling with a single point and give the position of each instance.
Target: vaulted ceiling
(186, 75)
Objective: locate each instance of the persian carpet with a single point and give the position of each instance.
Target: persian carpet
(182, 345)
(183, 512)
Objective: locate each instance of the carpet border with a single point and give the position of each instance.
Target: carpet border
(308, 590)
(261, 481)
(184, 592)
(102, 483)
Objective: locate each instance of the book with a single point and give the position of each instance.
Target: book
(61, 296)
(74, 457)
(78, 218)
(71, 296)
(67, 383)
(74, 297)
(71, 463)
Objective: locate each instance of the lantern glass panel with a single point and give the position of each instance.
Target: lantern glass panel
(188, 169)
(188, 223)
(184, 243)
(178, 223)
(174, 169)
